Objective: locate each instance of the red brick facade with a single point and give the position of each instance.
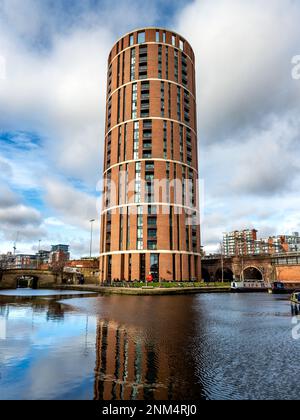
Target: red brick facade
(151, 136)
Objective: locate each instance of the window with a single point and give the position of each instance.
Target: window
(141, 37)
(136, 135)
(119, 105)
(152, 233)
(157, 36)
(165, 140)
(149, 178)
(125, 142)
(178, 231)
(174, 40)
(140, 241)
(108, 231)
(109, 80)
(183, 186)
(159, 61)
(154, 265)
(194, 233)
(178, 103)
(145, 99)
(184, 68)
(181, 143)
(170, 100)
(108, 158)
(176, 65)
(121, 232)
(187, 231)
(152, 245)
(147, 139)
(124, 102)
(164, 37)
(189, 147)
(152, 220)
(132, 64)
(134, 101)
(138, 170)
(128, 230)
(142, 267)
(181, 45)
(191, 189)
(123, 67)
(107, 196)
(118, 72)
(162, 99)
(172, 141)
(171, 228)
(131, 39)
(167, 63)
(149, 167)
(143, 62)
(119, 143)
(152, 211)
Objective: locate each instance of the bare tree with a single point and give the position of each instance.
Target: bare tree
(57, 268)
(3, 267)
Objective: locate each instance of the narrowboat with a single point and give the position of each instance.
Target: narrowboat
(249, 286)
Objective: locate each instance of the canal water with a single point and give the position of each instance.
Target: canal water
(210, 346)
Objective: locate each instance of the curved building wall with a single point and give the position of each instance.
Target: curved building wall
(150, 218)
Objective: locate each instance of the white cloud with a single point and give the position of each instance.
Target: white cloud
(74, 207)
(249, 122)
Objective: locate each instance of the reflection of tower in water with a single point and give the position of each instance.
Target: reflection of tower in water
(127, 368)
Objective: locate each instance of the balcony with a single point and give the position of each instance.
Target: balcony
(152, 245)
(152, 221)
(147, 134)
(147, 154)
(145, 113)
(143, 60)
(149, 167)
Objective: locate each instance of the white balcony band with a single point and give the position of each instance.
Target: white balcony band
(154, 204)
(125, 162)
(153, 79)
(151, 118)
(147, 251)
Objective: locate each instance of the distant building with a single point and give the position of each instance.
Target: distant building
(25, 261)
(59, 253)
(243, 242)
(43, 256)
(89, 267)
(285, 243)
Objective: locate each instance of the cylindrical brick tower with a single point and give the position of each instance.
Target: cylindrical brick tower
(150, 215)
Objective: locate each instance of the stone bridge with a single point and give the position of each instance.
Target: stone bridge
(36, 279)
(236, 268)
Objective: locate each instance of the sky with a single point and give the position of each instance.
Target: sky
(53, 58)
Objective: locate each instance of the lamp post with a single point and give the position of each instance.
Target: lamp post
(222, 261)
(39, 255)
(91, 243)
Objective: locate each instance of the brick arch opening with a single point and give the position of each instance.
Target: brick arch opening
(227, 274)
(253, 273)
(27, 282)
(205, 275)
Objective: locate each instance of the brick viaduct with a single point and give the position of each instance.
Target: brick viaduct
(254, 268)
